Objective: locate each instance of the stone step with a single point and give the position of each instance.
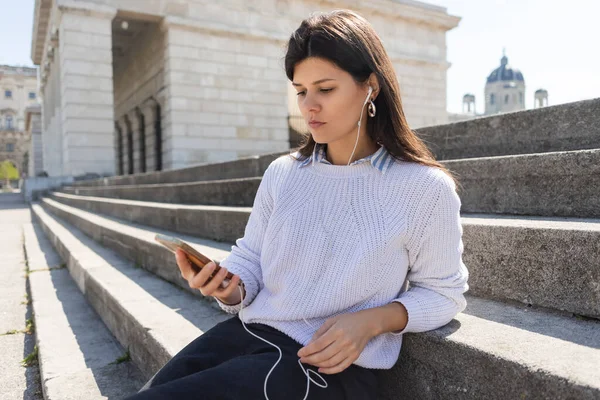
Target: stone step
(564, 127)
(136, 242)
(220, 223)
(234, 169)
(500, 351)
(562, 184)
(226, 192)
(77, 354)
(151, 317)
(550, 262)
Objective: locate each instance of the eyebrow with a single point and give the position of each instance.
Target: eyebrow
(315, 82)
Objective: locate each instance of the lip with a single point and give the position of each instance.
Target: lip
(315, 124)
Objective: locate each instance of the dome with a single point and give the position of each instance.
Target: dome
(505, 73)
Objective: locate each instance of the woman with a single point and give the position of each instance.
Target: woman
(337, 231)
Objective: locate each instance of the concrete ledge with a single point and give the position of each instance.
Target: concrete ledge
(223, 224)
(563, 184)
(550, 262)
(34, 187)
(136, 243)
(492, 350)
(565, 127)
(546, 184)
(151, 317)
(76, 351)
(241, 168)
(228, 192)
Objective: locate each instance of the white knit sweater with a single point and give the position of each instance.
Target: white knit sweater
(324, 240)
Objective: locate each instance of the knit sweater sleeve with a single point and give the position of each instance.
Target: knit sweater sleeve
(437, 275)
(244, 258)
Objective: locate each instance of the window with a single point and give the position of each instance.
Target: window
(492, 98)
(8, 94)
(521, 97)
(32, 95)
(10, 147)
(506, 99)
(9, 122)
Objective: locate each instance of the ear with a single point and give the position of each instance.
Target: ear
(374, 83)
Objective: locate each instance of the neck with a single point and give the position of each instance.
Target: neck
(339, 153)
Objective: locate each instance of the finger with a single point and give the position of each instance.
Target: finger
(318, 345)
(326, 354)
(338, 368)
(334, 360)
(199, 280)
(210, 286)
(228, 291)
(184, 265)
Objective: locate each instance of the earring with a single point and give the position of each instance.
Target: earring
(371, 109)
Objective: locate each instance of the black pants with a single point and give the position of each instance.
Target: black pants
(228, 363)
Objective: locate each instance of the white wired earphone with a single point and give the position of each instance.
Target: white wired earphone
(309, 379)
(359, 121)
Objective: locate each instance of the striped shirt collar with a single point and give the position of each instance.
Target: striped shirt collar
(381, 159)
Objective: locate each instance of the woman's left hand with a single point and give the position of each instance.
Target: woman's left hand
(338, 342)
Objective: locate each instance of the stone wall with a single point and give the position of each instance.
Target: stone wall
(224, 97)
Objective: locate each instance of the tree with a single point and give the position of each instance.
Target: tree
(8, 172)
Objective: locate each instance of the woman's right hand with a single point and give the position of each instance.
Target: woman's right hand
(207, 286)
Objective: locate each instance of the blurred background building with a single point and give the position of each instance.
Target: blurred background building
(18, 90)
(129, 87)
(504, 91)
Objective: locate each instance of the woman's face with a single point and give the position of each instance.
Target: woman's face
(330, 95)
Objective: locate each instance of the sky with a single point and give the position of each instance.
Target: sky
(553, 43)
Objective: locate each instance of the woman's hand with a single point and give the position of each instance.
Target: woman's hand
(209, 286)
(338, 342)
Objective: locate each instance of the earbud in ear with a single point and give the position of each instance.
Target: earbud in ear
(368, 96)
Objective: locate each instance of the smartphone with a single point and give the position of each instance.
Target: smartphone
(196, 259)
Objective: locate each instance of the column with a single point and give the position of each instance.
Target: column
(118, 146)
(132, 116)
(87, 103)
(148, 109)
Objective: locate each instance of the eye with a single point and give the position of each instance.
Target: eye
(322, 90)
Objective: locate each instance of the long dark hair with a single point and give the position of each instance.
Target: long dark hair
(348, 40)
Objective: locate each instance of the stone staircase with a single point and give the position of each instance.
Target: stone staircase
(531, 220)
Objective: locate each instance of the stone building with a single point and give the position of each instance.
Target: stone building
(129, 87)
(18, 90)
(504, 91)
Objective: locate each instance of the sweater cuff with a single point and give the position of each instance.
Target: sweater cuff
(416, 317)
(250, 286)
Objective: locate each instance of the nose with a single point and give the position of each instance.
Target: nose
(308, 104)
